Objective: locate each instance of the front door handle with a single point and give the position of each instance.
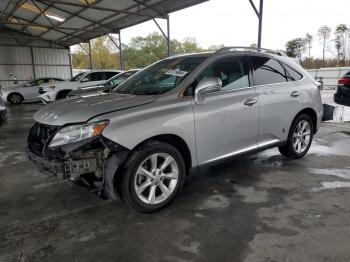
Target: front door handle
(250, 101)
(295, 94)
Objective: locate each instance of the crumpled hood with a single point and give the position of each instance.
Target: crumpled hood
(81, 109)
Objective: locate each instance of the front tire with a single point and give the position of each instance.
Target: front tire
(63, 94)
(299, 138)
(15, 99)
(153, 175)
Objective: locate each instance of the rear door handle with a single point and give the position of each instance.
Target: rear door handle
(295, 94)
(250, 101)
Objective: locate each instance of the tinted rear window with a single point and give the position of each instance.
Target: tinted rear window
(292, 74)
(267, 71)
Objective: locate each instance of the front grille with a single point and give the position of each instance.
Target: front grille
(39, 137)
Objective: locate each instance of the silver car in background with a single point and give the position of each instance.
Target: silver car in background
(28, 91)
(183, 112)
(107, 86)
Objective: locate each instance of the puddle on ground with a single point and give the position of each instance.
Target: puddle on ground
(12, 157)
(339, 148)
(337, 172)
(216, 201)
(251, 195)
(331, 185)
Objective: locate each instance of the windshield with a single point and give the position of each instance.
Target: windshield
(161, 77)
(77, 77)
(118, 79)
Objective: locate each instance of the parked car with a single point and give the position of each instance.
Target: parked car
(105, 87)
(180, 113)
(3, 112)
(28, 91)
(82, 80)
(342, 96)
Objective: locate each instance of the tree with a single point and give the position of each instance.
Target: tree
(309, 39)
(341, 39)
(324, 33)
(296, 47)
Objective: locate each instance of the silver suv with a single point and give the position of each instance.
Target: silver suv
(141, 140)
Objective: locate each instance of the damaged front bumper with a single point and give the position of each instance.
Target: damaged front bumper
(92, 162)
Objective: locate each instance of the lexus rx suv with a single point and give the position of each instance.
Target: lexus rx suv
(141, 140)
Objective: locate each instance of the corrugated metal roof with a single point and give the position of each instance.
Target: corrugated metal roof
(69, 22)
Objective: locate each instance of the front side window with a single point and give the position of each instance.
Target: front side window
(267, 71)
(39, 82)
(77, 77)
(97, 76)
(161, 77)
(233, 73)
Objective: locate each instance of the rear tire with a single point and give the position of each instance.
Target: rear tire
(152, 175)
(299, 138)
(15, 99)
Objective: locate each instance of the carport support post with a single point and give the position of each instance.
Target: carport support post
(121, 56)
(260, 22)
(167, 35)
(33, 64)
(70, 61)
(260, 17)
(90, 56)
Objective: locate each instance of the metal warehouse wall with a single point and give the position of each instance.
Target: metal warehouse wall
(26, 63)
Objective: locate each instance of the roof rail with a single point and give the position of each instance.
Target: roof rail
(254, 49)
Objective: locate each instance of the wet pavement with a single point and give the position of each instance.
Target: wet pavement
(263, 207)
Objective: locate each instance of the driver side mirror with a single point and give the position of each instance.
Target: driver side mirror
(85, 79)
(205, 86)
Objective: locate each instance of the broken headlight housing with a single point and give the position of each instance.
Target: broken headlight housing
(75, 133)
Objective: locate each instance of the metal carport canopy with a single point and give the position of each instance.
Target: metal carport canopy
(69, 22)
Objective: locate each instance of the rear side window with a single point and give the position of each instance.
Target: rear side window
(267, 71)
(292, 74)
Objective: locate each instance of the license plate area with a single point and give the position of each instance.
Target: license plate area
(81, 166)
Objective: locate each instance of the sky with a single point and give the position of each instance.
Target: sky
(234, 23)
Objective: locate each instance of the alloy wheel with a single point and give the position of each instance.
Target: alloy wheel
(301, 136)
(156, 178)
(15, 99)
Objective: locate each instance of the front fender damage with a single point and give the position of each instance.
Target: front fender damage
(92, 163)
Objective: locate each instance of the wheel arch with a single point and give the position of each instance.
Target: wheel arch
(310, 112)
(62, 92)
(177, 142)
(14, 92)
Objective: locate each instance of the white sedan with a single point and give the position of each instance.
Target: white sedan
(28, 91)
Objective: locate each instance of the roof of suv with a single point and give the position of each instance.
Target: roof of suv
(238, 49)
(103, 70)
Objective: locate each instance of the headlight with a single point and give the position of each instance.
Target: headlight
(51, 87)
(75, 133)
